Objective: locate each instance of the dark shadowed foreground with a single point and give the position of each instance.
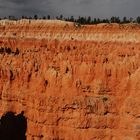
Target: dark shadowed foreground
(13, 127)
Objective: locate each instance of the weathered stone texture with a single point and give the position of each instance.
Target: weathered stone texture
(72, 83)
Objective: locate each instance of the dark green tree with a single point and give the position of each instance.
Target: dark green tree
(89, 20)
(138, 19)
(131, 19)
(49, 17)
(95, 21)
(115, 20)
(23, 17)
(98, 21)
(61, 17)
(72, 19)
(44, 17)
(125, 20)
(12, 18)
(36, 17)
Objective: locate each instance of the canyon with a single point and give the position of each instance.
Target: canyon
(72, 82)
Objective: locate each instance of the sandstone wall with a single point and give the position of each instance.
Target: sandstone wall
(73, 83)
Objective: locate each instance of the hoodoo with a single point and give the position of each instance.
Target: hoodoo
(72, 83)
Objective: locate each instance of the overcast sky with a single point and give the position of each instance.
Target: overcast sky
(94, 8)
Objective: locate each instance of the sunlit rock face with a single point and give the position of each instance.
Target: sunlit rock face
(72, 82)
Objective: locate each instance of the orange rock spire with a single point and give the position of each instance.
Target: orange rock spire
(73, 83)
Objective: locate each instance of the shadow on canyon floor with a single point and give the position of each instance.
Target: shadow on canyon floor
(13, 127)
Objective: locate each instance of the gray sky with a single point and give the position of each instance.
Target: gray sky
(94, 8)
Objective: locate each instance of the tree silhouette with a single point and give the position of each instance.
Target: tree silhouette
(84, 20)
(72, 18)
(138, 19)
(115, 20)
(89, 20)
(11, 18)
(125, 20)
(44, 17)
(61, 17)
(36, 17)
(49, 17)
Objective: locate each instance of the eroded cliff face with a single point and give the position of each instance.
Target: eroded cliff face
(73, 83)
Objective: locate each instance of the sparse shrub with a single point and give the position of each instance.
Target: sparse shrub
(17, 51)
(1, 50)
(8, 50)
(104, 98)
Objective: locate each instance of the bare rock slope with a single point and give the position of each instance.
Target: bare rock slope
(73, 83)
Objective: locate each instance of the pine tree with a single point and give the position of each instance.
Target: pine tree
(36, 17)
(89, 20)
(49, 17)
(138, 19)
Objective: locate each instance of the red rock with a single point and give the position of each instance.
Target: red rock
(72, 83)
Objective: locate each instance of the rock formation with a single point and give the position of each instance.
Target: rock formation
(73, 83)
